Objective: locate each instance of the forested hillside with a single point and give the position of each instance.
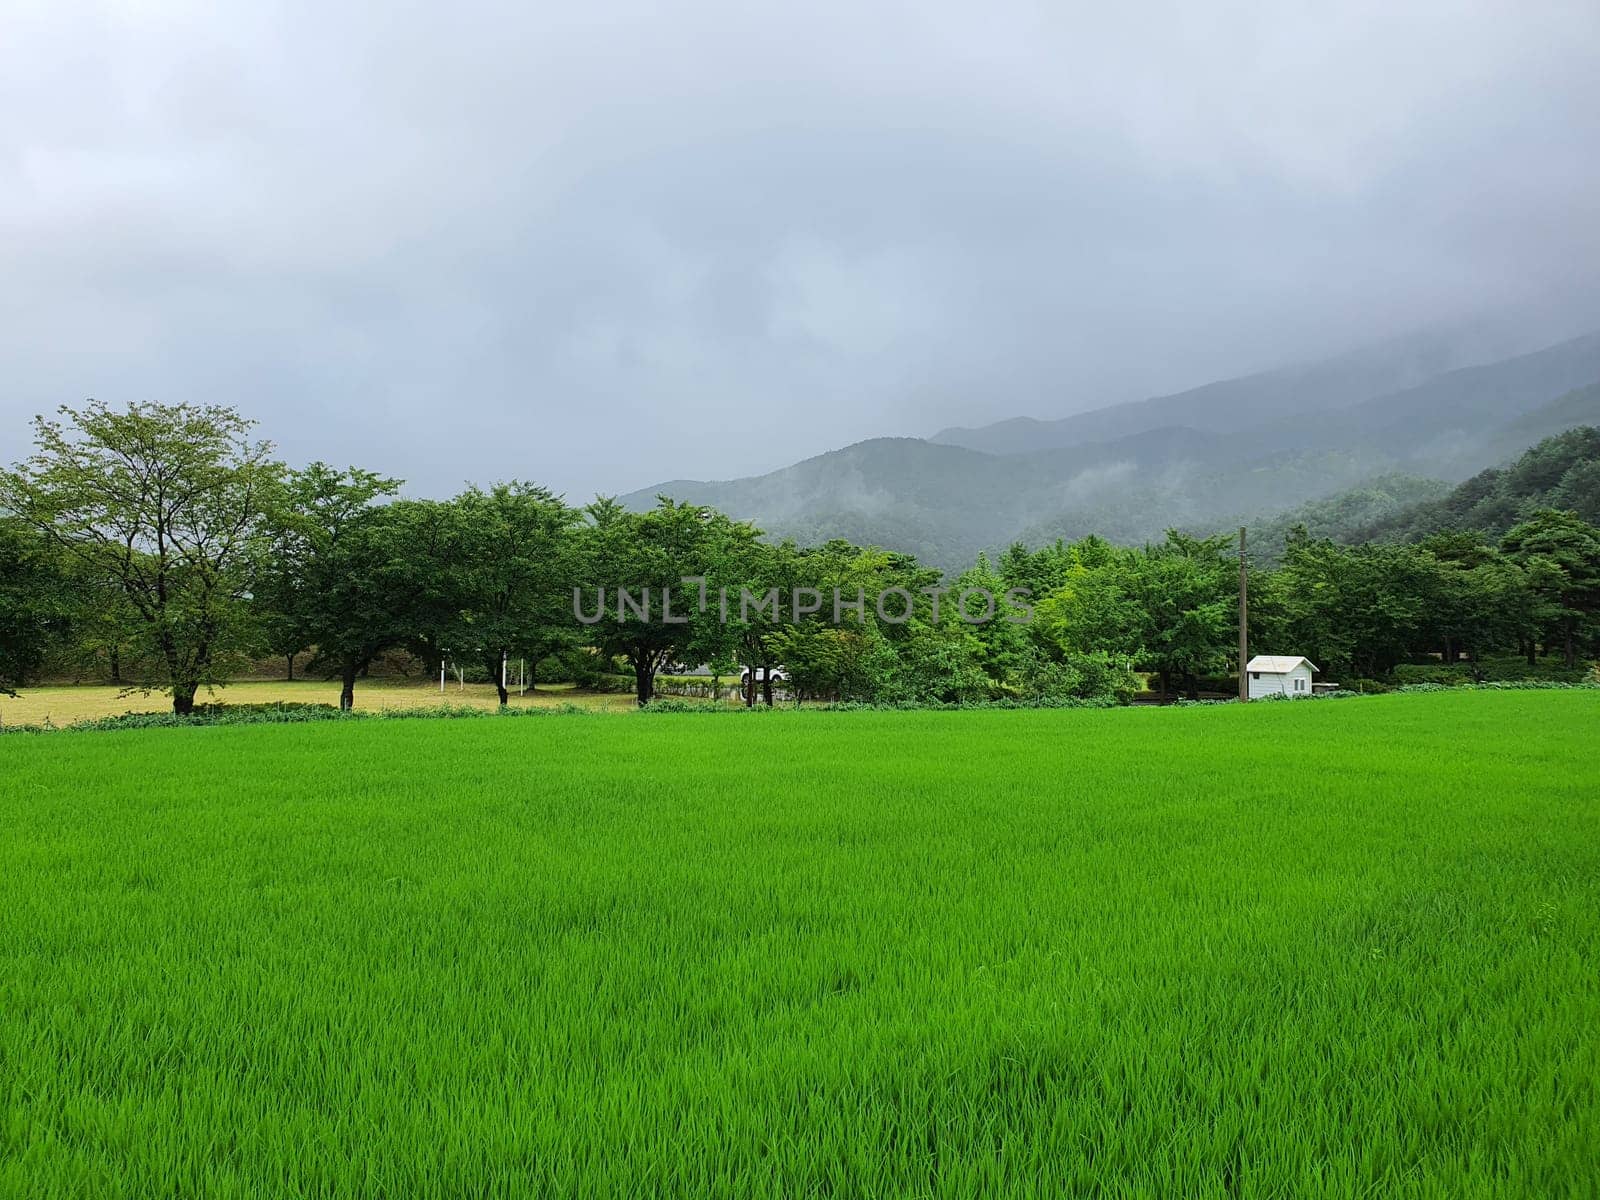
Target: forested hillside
(1561, 472)
(1340, 515)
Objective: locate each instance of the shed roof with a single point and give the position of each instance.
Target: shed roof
(1277, 664)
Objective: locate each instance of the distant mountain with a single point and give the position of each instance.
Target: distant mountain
(945, 503)
(1581, 406)
(1264, 398)
(941, 503)
(1450, 423)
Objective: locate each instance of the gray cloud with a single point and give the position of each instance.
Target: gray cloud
(607, 244)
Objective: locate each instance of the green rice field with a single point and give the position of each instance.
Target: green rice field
(1345, 948)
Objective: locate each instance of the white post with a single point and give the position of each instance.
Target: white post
(441, 674)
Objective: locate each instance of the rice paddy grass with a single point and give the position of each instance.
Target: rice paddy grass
(1327, 949)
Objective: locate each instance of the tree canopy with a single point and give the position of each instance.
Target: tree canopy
(166, 505)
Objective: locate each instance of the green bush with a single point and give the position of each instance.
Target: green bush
(1512, 669)
(1096, 677)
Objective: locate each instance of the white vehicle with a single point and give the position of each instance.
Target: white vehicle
(776, 674)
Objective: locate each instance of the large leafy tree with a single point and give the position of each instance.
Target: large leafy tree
(731, 632)
(1362, 609)
(166, 504)
(1088, 631)
(836, 662)
(1093, 608)
(1186, 591)
(649, 556)
(1479, 598)
(516, 562)
(755, 631)
(1002, 642)
(428, 535)
(911, 647)
(336, 577)
(1561, 552)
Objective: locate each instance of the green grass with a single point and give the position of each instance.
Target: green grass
(1328, 949)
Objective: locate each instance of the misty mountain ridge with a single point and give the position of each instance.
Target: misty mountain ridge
(1263, 397)
(946, 502)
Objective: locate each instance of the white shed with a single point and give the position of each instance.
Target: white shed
(1279, 675)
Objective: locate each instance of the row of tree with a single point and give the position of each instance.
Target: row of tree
(1356, 611)
(170, 545)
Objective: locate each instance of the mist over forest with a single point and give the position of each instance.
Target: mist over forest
(1396, 423)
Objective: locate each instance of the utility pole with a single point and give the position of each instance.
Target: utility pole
(1244, 622)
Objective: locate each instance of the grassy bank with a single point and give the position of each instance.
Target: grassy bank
(1319, 949)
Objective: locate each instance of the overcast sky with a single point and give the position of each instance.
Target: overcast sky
(604, 244)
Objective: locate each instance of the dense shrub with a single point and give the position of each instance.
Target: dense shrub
(1504, 685)
(1503, 669)
(1097, 677)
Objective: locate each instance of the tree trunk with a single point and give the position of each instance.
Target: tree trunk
(766, 685)
(116, 663)
(495, 664)
(347, 685)
(432, 657)
(1164, 684)
(748, 686)
(1571, 648)
(183, 698)
(290, 676)
(644, 680)
(1191, 686)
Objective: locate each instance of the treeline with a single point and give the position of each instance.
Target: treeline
(1358, 612)
(169, 546)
